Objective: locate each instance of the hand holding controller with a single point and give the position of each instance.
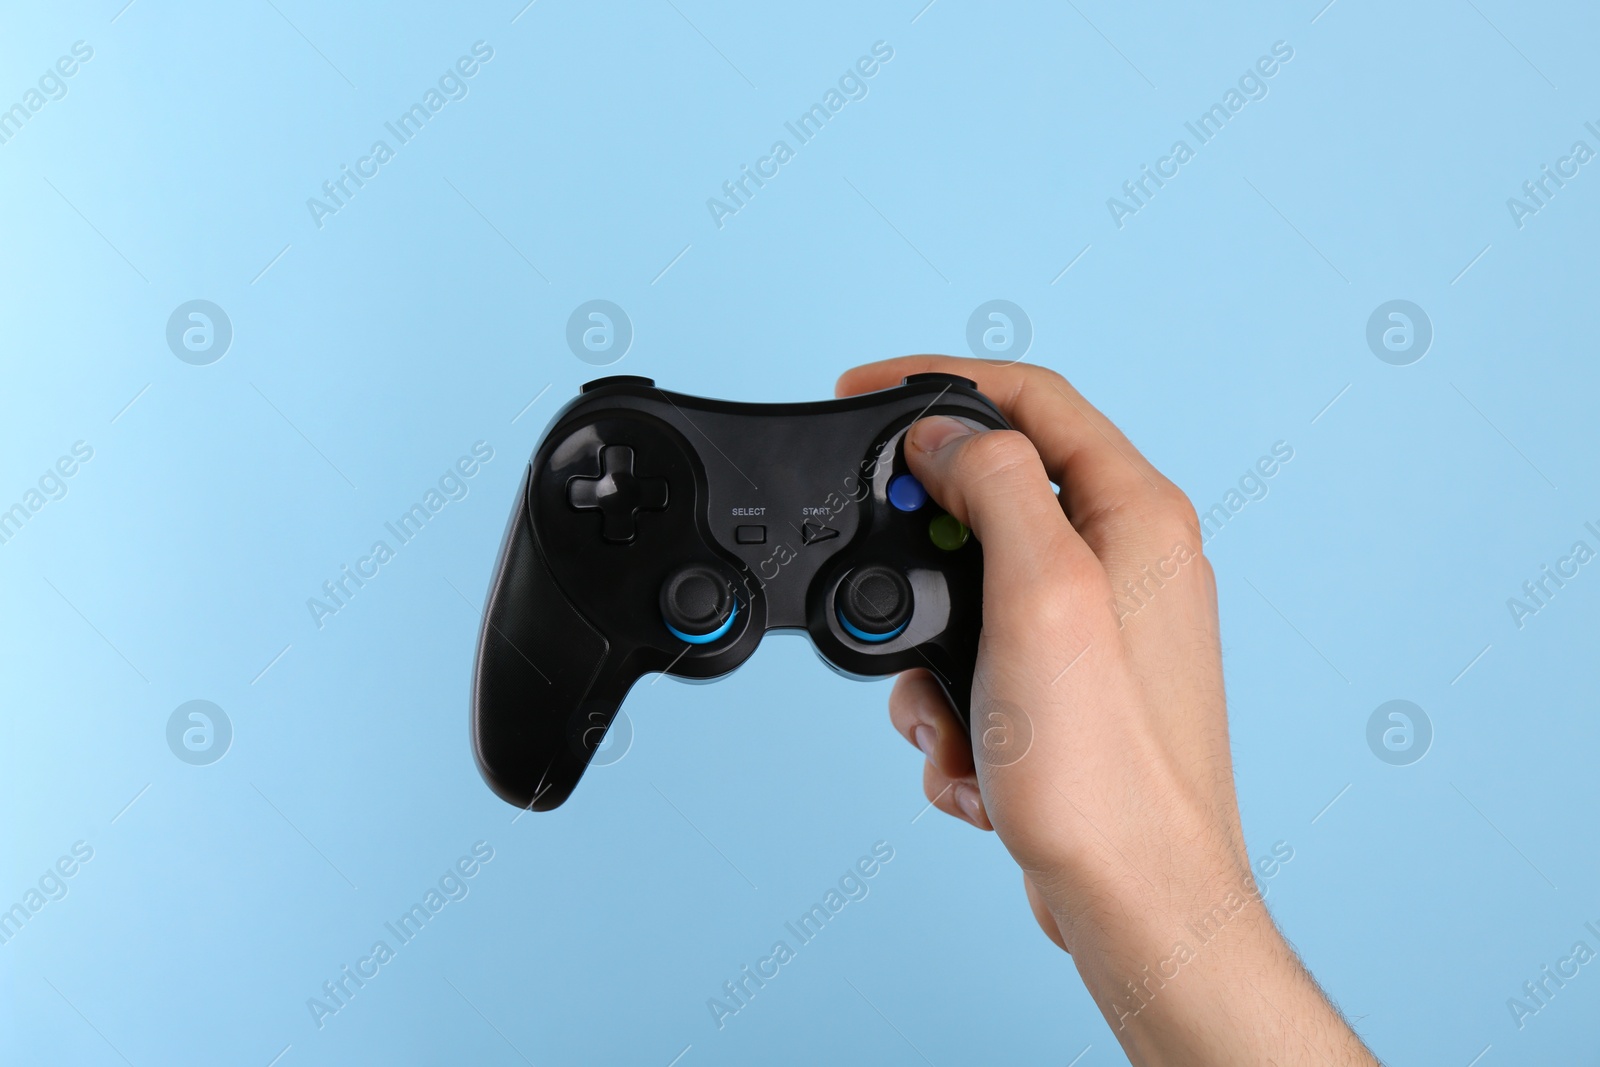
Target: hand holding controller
(657, 532)
(1097, 744)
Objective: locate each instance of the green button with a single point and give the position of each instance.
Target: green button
(948, 532)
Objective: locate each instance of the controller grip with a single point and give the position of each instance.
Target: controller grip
(539, 708)
(955, 678)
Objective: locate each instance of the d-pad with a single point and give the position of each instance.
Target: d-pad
(618, 494)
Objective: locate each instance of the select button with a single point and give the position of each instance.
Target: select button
(750, 535)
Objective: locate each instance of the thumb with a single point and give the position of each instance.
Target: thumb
(995, 483)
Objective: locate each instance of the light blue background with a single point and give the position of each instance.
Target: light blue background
(422, 318)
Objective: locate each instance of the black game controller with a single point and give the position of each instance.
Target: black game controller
(657, 532)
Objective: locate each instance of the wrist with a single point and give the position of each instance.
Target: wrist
(1203, 978)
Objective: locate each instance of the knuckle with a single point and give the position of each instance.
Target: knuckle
(1066, 582)
(1163, 514)
(1173, 511)
(1053, 378)
(1075, 573)
(999, 452)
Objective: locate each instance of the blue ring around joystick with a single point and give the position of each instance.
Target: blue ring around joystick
(705, 639)
(862, 635)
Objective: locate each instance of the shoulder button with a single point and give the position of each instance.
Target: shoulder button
(948, 379)
(617, 379)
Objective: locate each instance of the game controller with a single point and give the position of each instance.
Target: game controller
(658, 532)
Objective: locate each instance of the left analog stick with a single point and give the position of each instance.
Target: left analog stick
(697, 603)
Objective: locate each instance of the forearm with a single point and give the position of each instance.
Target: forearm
(1206, 982)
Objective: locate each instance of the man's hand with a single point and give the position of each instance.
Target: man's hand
(1100, 656)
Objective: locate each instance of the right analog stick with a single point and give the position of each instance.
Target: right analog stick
(697, 603)
(874, 603)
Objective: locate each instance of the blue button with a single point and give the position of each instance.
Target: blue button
(906, 493)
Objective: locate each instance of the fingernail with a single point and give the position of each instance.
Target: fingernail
(967, 801)
(936, 431)
(926, 738)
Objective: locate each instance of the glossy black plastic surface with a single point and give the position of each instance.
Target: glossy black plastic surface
(575, 613)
